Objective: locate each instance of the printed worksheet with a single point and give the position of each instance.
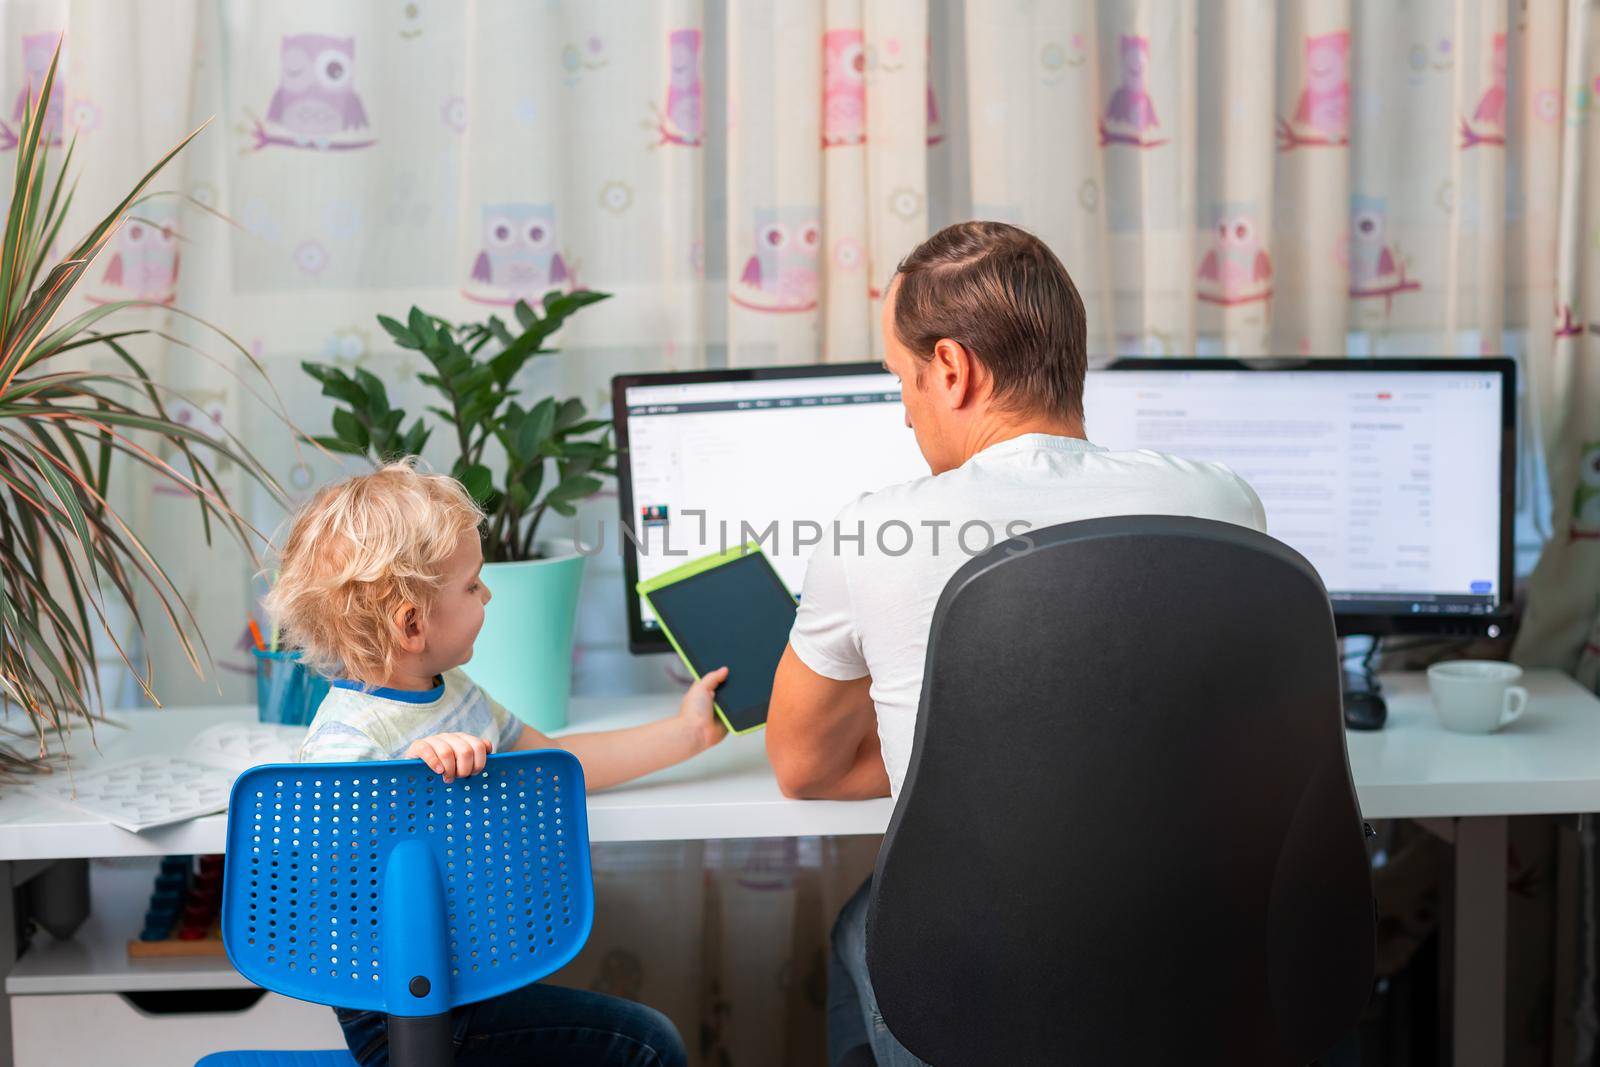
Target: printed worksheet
(159, 790)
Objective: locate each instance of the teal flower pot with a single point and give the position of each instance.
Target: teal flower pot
(523, 656)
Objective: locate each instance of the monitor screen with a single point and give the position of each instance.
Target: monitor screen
(718, 458)
(1388, 479)
(1393, 477)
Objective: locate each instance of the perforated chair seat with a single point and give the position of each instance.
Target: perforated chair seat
(334, 1058)
(377, 887)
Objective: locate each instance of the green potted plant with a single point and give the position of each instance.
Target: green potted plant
(68, 428)
(550, 457)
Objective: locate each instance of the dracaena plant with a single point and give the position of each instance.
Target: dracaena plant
(554, 456)
(67, 432)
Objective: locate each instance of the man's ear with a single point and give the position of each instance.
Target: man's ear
(955, 372)
(407, 623)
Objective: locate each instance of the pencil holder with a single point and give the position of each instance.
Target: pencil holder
(287, 691)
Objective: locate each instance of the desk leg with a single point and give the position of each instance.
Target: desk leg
(1478, 1021)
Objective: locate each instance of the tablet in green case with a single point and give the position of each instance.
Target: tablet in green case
(727, 610)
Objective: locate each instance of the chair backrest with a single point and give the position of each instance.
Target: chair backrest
(1128, 833)
(376, 886)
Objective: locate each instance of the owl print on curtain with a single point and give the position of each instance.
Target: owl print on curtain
(1568, 323)
(37, 51)
(844, 88)
(935, 116)
(203, 410)
(1586, 497)
(680, 120)
(315, 104)
(1377, 269)
(141, 259)
(1322, 114)
(781, 274)
(1487, 123)
(519, 258)
(1236, 268)
(1130, 117)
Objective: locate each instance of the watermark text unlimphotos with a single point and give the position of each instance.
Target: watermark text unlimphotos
(893, 537)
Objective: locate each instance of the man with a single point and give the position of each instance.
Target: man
(985, 331)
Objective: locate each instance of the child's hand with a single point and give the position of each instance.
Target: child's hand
(452, 755)
(694, 711)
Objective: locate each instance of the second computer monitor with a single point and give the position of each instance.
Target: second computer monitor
(1393, 477)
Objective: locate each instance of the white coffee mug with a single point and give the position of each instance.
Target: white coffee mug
(1476, 696)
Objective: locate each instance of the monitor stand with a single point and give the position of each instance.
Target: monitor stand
(1364, 706)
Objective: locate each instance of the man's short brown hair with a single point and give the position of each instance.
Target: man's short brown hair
(1002, 295)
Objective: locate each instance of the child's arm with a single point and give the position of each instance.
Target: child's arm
(610, 757)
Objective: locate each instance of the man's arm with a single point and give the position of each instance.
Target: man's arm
(822, 735)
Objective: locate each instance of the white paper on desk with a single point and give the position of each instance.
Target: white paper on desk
(154, 791)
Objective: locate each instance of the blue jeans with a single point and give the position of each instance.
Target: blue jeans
(853, 1019)
(538, 1025)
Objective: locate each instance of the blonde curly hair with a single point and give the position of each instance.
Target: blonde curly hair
(361, 549)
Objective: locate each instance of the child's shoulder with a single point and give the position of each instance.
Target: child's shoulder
(346, 727)
(379, 713)
(459, 686)
(462, 692)
(456, 679)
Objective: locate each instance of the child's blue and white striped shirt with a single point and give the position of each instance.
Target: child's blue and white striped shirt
(377, 724)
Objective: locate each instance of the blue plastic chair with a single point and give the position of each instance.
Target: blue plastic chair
(375, 886)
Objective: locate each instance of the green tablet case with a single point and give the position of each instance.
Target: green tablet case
(689, 570)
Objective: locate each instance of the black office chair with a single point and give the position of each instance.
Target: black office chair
(1128, 834)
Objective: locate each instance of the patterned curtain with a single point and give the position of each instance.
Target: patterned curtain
(1243, 176)
(1562, 271)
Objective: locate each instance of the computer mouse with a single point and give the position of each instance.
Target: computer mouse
(1365, 710)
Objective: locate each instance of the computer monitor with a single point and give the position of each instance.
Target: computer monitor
(1393, 477)
(712, 459)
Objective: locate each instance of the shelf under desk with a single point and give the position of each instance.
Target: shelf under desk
(95, 959)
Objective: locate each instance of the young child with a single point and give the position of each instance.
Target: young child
(379, 587)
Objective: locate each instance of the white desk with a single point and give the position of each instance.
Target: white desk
(1464, 787)
(1547, 763)
(725, 793)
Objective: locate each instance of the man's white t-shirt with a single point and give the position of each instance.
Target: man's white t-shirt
(868, 600)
